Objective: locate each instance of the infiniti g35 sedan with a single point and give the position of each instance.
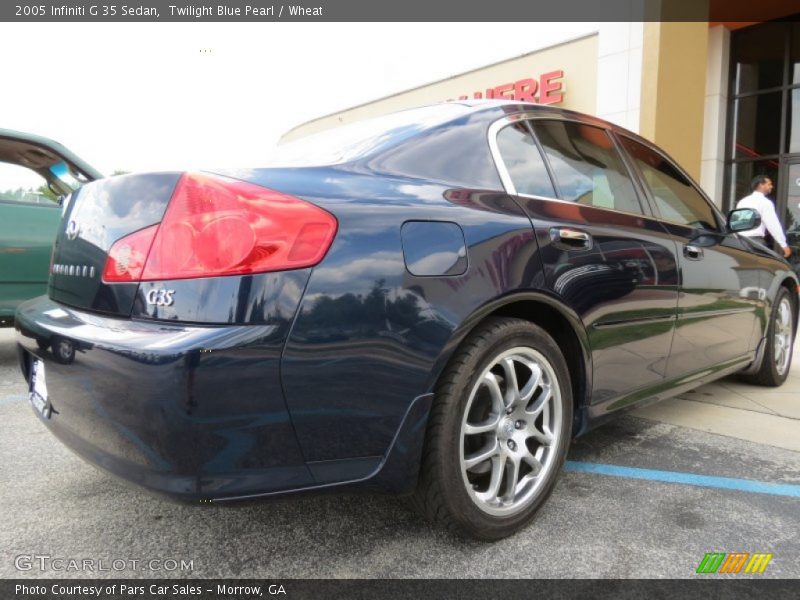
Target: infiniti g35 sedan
(431, 303)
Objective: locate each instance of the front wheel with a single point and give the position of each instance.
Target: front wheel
(777, 357)
(499, 431)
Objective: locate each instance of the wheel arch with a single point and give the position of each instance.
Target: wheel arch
(793, 288)
(560, 322)
(790, 284)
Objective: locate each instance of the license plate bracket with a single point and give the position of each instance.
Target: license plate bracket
(38, 390)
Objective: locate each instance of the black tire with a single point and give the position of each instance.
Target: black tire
(769, 373)
(458, 496)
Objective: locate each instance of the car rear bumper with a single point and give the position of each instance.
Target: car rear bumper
(192, 411)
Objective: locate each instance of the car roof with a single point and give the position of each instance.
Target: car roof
(51, 145)
(543, 110)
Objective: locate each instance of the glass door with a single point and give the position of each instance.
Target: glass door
(792, 211)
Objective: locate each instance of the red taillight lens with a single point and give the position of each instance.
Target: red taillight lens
(127, 256)
(216, 226)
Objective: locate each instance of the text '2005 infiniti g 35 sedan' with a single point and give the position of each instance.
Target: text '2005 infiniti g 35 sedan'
(431, 303)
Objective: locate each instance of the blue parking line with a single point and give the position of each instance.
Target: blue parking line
(726, 483)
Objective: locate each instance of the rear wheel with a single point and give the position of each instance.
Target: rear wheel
(777, 356)
(499, 431)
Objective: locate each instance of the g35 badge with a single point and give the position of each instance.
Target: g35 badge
(160, 297)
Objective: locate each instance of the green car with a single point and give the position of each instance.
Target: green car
(37, 175)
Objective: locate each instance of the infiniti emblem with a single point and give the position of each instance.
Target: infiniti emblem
(72, 229)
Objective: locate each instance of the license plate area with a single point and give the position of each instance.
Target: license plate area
(38, 389)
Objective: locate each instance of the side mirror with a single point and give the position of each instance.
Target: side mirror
(743, 219)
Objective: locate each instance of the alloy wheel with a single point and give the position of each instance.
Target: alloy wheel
(510, 431)
(782, 337)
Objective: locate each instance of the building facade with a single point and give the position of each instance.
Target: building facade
(722, 98)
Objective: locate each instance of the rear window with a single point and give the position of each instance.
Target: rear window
(362, 138)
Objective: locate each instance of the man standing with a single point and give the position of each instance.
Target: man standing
(758, 201)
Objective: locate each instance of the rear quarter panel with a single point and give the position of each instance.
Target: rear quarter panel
(369, 333)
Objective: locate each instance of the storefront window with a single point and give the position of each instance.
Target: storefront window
(791, 218)
(742, 177)
(764, 113)
(794, 60)
(793, 121)
(759, 58)
(758, 125)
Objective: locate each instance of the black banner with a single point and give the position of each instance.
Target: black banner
(407, 10)
(355, 589)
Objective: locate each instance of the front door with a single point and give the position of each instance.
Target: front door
(719, 277)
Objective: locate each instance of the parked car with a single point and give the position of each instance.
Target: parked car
(34, 173)
(429, 303)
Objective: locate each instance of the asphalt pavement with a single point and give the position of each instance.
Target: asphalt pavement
(643, 497)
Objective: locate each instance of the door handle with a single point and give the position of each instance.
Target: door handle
(692, 252)
(572, 239)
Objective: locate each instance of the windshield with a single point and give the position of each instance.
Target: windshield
(68, 176)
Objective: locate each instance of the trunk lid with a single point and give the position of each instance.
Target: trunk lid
(98, 214)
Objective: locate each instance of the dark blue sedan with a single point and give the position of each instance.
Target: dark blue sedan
(430, 303)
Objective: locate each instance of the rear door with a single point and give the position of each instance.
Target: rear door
(604, 254)
(719, 288)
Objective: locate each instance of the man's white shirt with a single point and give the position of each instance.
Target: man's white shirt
(769, 218)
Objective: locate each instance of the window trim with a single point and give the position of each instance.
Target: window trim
(502, 169)
(499, 163)
(657, 213)
(509, 187)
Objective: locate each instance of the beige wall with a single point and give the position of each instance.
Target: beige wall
(673, 89)
(577, 59)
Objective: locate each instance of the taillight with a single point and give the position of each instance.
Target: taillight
(216, 226)
(127, 256)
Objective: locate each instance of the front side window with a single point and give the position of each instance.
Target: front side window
(586, 165)
(676, 198)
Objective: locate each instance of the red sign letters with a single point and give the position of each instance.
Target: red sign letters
(547, 90)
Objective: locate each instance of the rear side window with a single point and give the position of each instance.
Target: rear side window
(587, 166)
(676, 198)
(524, 161)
